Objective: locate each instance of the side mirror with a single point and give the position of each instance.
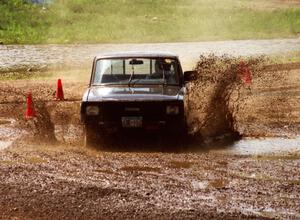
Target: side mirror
(189, 75)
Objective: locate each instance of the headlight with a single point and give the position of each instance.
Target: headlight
(172, 110)
(92, 110)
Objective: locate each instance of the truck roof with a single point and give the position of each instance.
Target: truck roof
(136, 54)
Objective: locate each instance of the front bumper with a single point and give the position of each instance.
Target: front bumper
(170, 126)
(153, 114)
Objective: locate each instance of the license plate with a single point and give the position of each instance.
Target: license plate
(132, 122)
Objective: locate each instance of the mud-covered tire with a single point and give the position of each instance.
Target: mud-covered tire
(90, 136)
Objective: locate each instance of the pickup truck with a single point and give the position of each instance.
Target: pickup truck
(134, 91)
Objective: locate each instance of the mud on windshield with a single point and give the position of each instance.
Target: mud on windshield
(131, 71)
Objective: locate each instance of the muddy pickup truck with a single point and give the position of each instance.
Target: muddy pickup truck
(134, 92)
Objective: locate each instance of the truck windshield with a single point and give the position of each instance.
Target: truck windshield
(133, 71)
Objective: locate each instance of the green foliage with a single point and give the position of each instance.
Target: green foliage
(90, 21)
(291, 57)
(21, 22)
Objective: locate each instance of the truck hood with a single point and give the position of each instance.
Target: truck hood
(136, 93)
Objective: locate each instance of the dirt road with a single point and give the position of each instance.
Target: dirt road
(40, 56)
(41, 181)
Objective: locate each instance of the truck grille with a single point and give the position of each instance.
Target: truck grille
(112, 111)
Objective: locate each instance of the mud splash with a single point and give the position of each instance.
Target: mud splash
(220, 101)
(42, 126)
(55, 122)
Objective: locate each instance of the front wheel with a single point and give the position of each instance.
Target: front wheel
(90, 136)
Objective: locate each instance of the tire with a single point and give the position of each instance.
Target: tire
(90, 136)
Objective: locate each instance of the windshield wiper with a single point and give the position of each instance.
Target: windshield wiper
(131, 76)
(111, 83)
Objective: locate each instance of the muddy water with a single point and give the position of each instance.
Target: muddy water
(8, 132)
(247, 146)
(74, 56)
(261, 146)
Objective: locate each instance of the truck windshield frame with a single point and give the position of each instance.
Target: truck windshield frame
(136, 71)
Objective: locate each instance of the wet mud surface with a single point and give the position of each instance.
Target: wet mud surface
(61, 181)
(46, 173)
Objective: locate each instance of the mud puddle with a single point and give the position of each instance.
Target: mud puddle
(73, 134)
(261, 146)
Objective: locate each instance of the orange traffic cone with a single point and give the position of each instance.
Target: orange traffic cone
(59, 95)
(30, 113)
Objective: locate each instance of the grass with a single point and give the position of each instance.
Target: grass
(291, 156)
(29, 160)
(102, 21)
(262, 177)
(291, 57)
(78, 75)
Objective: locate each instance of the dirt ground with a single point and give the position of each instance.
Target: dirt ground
(46, 173)
(67, 182)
